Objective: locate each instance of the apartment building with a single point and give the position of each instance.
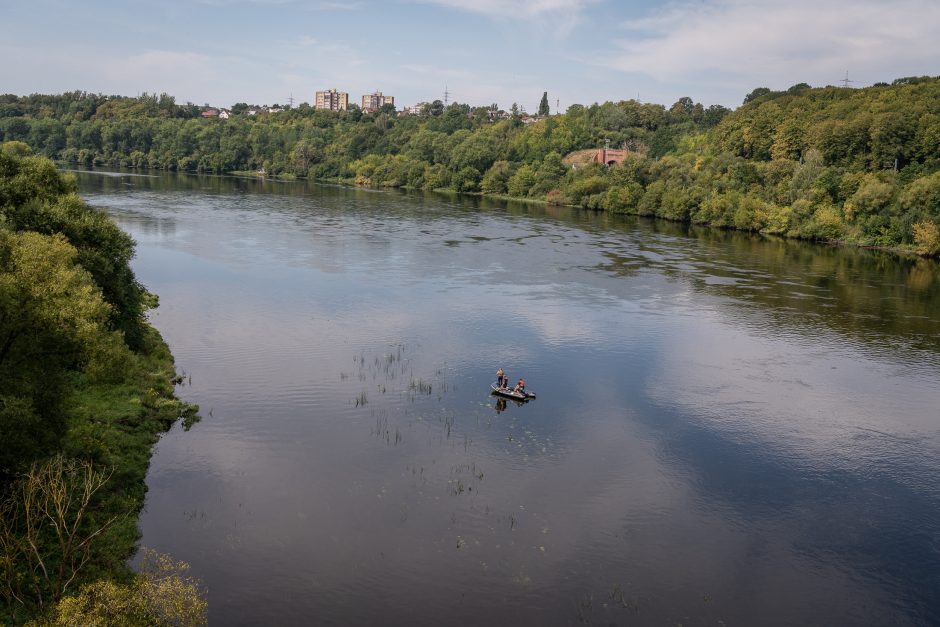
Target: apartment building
(374, 102)
(332, 100)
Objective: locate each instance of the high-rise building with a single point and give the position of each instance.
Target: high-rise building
(374, 102)
(332, 100)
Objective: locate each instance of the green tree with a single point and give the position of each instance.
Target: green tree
(496, 178)
(35, 196)
(543, 105)
(52, 321)
(755, 94)
(467, 179)
(161, 593)
(47, 532)
(522, 181)
(434, 109)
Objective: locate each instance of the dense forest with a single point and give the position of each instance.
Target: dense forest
(87, 388)
(833, 164)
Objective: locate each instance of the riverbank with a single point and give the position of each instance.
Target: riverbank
(115, 424)
(88, 390)
(691, 217)
(351, 182)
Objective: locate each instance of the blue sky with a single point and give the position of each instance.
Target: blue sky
(484, 51)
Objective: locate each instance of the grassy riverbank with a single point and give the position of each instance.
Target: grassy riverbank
(88, 389)
(115, 425)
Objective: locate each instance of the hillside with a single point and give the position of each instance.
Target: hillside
(852, 165)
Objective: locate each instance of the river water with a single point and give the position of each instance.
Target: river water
(729, 429)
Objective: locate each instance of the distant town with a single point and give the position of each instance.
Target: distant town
(335, 100)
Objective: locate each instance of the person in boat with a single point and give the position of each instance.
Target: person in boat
(502, 380)
(520, 387)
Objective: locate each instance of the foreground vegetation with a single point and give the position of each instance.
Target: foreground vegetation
(88, 388)
(852, 165)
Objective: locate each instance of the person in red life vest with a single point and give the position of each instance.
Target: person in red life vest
(520, 387)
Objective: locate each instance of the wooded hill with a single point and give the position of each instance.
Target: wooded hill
(854, 165)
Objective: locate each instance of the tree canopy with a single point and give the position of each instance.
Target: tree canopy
(786, 162)
(87, 385)
(543, 105)
(68, 301)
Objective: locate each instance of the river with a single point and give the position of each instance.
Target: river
(728, 429)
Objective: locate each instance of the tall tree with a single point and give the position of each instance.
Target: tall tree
(543, 105)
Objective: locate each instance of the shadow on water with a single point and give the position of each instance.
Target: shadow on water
(874, 298)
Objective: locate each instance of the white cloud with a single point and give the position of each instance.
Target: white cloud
(557, 16)
(748, 43)
(334, 6)
(236, 2)
(516, 8)
(304, 42)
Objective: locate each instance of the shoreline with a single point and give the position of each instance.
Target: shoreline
(350, 183)
(117, 424)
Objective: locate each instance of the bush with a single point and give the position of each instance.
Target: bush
(160, 594)
(826, 223)
(926, 238)
(466, 180)
(649, 204)
(624, 198)
(922, 196)
(873, 196)
(496, 179)
(586, 186)
(555, 197)
(717, 209)
(521, 182)
(436, 176)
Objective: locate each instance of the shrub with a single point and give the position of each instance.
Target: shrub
(496, 178)
(926, 238)
(873, 196)
(522, 181)
(624, 198)
(160, 594)
(467, 179)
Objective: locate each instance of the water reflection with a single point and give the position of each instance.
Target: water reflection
(728, 427)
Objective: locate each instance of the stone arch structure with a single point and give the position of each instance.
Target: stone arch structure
(609, 156)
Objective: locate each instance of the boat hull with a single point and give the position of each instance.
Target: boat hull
(507, 393)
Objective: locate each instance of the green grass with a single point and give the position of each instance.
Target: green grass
(115, 424)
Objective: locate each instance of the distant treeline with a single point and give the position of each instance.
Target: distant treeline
(855, 165)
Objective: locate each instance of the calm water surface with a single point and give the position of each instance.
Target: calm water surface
(727, 428)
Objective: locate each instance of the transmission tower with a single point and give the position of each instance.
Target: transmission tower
(557, 106)
(845, 81)
(290, 100)
(446, 95)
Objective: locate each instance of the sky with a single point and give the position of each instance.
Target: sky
(221, 52)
